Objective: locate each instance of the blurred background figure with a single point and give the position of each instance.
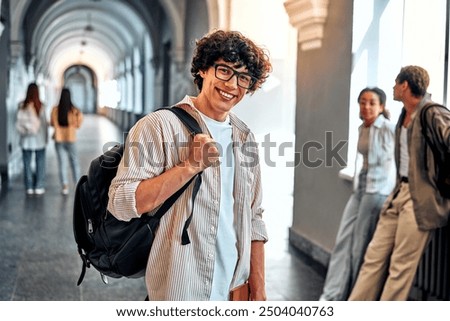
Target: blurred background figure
(31, 123)
(373, 181)
(66, 119)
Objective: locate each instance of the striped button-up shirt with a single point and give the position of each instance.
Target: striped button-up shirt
(185, 272)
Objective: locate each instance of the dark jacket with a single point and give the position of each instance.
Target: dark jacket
(430, 208)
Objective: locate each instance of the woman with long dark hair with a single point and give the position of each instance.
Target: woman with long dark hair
(32, 125)
(66, 119)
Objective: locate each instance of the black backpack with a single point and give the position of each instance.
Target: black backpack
(441, 157)
(113, 247)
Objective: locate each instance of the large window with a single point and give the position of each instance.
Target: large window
(389, 34)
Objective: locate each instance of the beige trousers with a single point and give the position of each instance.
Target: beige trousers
(392, 257)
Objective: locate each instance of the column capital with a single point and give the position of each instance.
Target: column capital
(309, 17)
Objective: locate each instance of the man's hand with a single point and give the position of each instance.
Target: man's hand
(203, 152)
(152, 192)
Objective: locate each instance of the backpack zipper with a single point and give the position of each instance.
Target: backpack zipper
(90, 226)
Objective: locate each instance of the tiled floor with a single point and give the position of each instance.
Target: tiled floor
(39, 260)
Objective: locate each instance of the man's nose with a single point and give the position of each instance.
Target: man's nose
(232, 82)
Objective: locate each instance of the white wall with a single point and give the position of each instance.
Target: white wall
(267, 23)
(270, 112)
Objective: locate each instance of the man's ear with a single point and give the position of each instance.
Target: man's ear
(405, 84)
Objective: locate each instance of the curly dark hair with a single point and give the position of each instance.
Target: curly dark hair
(232, 47)
(417, 78)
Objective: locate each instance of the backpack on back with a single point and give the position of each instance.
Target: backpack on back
(113, 247)
(441, 158)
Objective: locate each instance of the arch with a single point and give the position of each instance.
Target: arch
(68, 25)
(177, 19)
(81, 82)
(61, 28)
(56, 36)
(18, 9)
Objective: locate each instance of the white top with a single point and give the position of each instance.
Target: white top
(226, 240)
(38, 140)
(404, 156)
(381, 169)
(363, 145)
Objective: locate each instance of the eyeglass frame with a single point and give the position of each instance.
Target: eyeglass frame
(253, 80)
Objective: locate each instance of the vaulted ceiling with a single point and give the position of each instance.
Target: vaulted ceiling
(97, 33)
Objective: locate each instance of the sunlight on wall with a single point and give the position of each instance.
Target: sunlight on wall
(268, 25)
(108, 95)
(270, 112)
(424, 41)
(265, 24)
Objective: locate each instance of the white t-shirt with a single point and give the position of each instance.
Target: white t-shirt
(404, 156)
(226, 240)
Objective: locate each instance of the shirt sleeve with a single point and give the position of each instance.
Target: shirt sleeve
(148, 152)
(259, 231)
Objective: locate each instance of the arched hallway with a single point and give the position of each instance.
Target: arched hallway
(40, 260)
(123, 59)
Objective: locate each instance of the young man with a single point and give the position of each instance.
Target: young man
(416, 206)
(227, 232)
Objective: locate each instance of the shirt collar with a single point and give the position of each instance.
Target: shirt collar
(379, 121)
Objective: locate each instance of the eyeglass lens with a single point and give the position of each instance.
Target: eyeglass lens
(225, 73)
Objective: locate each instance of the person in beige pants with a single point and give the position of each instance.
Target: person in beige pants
(415, 207)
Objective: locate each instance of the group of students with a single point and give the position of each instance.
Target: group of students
(32, 125)
(395, 204)
(375, 256)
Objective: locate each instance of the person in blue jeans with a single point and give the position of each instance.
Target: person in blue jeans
(373, 181)
(66, 119)
(33, 129)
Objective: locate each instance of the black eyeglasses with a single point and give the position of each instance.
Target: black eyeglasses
(225, 73)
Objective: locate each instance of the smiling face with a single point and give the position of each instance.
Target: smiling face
(218, 97)
(369, 107)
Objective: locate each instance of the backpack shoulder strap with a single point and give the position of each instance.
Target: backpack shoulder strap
(423, 121)
(187, 119)
(425, 127)
(425, 109)
(194, 129)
